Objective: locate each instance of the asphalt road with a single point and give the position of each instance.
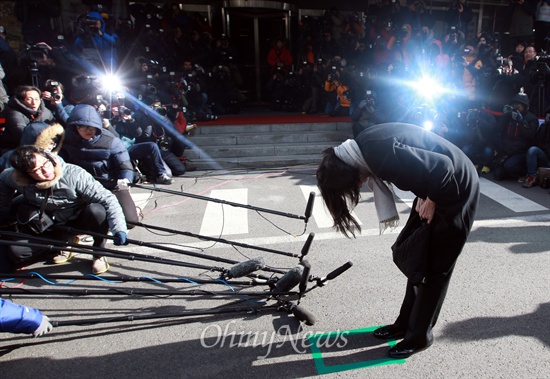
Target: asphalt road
(494, 323)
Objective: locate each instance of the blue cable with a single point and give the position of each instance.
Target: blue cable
(188, 280)
(49, 281)
(105, 280)
(232, 289)
(151, 279)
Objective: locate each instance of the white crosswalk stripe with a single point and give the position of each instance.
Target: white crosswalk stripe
(507, 198)
(320, 214)
(220, 219)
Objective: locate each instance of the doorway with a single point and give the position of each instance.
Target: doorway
(252, 32)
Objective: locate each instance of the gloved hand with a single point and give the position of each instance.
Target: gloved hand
(120, 239)
(362, 104)
(516, 115)
(45, 327)
(122, 183)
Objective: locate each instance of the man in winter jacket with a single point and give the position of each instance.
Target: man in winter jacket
(516, 130)
(97, 150)
(95, 44)
(23, 108)
(65, 193)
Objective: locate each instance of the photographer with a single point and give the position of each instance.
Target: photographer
(25, 107)
(223, 93)
(336, 88)
(147, 155)
(479, 138)
(516, 130)
(312, 79)
(538, 155)
(95, 44)
(193, 87)
(366, 114)
(53, 96)
(459, 15)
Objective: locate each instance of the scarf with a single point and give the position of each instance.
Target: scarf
(384, 202)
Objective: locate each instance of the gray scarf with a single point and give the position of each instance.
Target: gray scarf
(384, 202)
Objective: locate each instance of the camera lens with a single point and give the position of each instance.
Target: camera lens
(56, 96)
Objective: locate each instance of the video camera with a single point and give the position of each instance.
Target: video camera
(36, 52)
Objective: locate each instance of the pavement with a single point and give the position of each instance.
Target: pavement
(494, 323)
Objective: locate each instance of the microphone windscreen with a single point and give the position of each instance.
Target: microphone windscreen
(303, 315)
(289, 280)
(246, 267)
(307, 245)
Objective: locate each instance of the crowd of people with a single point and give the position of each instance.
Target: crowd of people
(71, 146)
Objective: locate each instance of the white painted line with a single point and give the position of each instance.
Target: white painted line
(406, 197)
(141, 199)
(531, 221)
(507, 198)
(229, 219)
(320, 214)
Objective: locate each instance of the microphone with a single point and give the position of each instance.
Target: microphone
(289, 280)
(309, 206)
(302, 315)
(305, 276)
(340, 270)
(307, 245)
(245, 268)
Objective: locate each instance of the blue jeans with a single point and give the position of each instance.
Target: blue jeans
(150, 151)
(536, 158)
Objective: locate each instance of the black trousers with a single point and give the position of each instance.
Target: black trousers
(93, 218)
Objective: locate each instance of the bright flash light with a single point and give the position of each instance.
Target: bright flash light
(111, 83)
(428, 125)
(428, 88)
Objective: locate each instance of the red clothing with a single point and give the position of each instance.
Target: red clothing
(279, 58)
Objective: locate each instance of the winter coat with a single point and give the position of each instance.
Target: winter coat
(429, 166)
(39, 134)
(72, 189)
(18, 116)
(16, 318)
(104, 44)
(104, 156)
(515, 137)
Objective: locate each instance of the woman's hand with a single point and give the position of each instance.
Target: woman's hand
(425, 209)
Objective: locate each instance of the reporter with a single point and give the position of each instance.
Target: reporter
(66, 193)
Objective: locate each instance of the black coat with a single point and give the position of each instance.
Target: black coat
(18, 115)
(420, 161)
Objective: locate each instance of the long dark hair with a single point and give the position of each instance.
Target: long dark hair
(339, 184)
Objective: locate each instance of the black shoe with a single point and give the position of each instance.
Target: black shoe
(388, 332)
(401, 351)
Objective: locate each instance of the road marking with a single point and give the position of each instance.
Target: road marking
(406, 197)
(140, 199)
(507, 198)
(320, 214)
(531, 221)
(222, 219)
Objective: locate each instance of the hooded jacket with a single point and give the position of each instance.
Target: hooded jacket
(105, 44)
(104, 156)
(39, 134)
(18, 116)
(72, 189)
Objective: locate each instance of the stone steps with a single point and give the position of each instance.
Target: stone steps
(264, 145)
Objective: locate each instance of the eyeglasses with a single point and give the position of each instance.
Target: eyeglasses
(45, 166)
(85, 127)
